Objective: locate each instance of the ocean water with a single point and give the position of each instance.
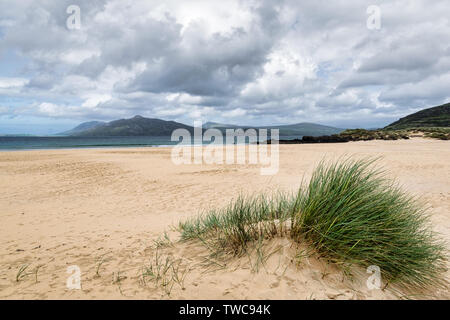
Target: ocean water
(30, 143)
(27, 143)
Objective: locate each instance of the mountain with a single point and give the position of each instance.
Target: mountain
(432, 117)
(305, 129)
(136, 126)
(82, 127)
(140, 126)
(299, 129)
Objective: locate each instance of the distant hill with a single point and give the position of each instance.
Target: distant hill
(299, 129)
(82, 127)
(140, 126)
(136, 126)
(432, 117)
(305, 129)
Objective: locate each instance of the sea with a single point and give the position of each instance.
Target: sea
(10, 143)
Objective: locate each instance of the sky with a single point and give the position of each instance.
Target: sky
(344, 63)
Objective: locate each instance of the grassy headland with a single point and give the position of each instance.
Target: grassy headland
(436, 117)
(441, 133)
(430, 123)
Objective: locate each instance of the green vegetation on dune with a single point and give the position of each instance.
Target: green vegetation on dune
(431, 132)
(352, 213)
(433, 122)
(228, 230)
(363, 134)
(383, 134)
(349, 213)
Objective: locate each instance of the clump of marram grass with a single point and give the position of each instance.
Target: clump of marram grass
(164, 271)
(349, 213)
(247, 219)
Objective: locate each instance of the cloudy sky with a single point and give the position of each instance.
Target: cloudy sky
(242, 62)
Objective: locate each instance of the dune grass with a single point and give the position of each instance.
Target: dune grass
(230, 229)
(349, 213)
(164, 271)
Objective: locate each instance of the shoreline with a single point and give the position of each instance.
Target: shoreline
(280, 142)
(88, 148)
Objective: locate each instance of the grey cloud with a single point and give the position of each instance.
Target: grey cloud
(137, 57)
(434, 90)
(215, 66)
(403, 58)
(42, 81)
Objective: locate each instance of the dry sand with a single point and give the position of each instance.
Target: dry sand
(103, 209)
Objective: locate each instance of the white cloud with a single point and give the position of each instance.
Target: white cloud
(248, 61)
(238, 112)
(93, 100)
(10, 83)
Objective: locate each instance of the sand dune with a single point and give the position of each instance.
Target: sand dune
(104, 210)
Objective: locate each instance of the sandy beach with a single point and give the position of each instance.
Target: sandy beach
(105, 209)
